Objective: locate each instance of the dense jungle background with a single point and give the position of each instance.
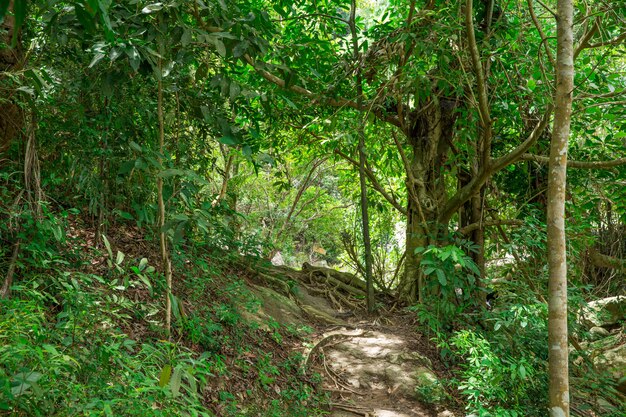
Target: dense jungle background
(306, 207)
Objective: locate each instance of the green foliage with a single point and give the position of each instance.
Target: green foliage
(249, 168)
(79, 362)
(450, 275)
(493, 384)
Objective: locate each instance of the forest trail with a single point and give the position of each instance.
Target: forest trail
(375, 371)
(371, 365)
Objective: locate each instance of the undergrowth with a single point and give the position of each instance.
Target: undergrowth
(77, 343)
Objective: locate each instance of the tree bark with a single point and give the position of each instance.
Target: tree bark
(5, 291)
(429, 134)
(557, 284)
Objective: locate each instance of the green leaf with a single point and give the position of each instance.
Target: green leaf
(441, 277)
(240, 49)
(133, 58)
(19, 11)
(92, 7)
(175, 307)
(429, 270)
(4, 6)
(221, 48)
(186, 38)
(472, 267)
(28, 376)
(136, 146)
(143, 263)
(97, 58)
(125, 215)
(108, 246)
(235, 90)
(445, 254)
(522, 372)
(175, 381)
(167, 173)
(151, 8)
(228, 140)
(84, 18)
(119, 258)
(164, 377)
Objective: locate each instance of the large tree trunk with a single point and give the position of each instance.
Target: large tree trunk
(11, 115)
(557, 285)
(429, 135)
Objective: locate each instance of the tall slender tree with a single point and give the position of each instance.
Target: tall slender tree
(557, 300)
(165, 259)
(367, 243)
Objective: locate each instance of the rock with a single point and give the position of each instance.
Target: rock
(445, 413)
(604, 312)
(319, 303)
(321, 315)
(398, 358)
(383, 362)
(614, 361)
(278, 260)
(598, 333)
(428, 389)
(275, 306)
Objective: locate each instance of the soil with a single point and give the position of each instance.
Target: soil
(374, 370)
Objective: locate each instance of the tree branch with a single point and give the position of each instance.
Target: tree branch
(542, 35)
(410, 177)
(471, 188)
(483, 102)
(303, 187)
(584, 42)
(516, 153)
(615, 41)
(488, 223)
(605, 261)
(577, 164)
(548, 9)
(340, 102)
(375, 183)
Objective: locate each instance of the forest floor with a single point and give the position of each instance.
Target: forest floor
(374, 370)
(370, 365)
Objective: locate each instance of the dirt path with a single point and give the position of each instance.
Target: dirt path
(375, 372)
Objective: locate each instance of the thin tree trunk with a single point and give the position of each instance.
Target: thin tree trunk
(367, 244)
(557, 284)
(167, 265)
(8, 280)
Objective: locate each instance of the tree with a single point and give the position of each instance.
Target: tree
(11, 56)
(408, 93)
(557, 172)
(365, 225)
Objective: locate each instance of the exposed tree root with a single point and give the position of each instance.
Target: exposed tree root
(343, 290)
(328, 338)
(352, 409)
